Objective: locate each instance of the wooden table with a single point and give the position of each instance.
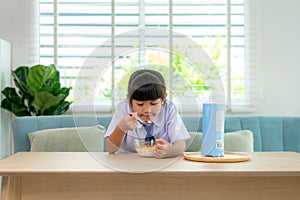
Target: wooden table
(86, 176)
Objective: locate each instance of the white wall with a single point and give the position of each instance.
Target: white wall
(279, 71)
(5, 116)
(17, 27)
(278, 63)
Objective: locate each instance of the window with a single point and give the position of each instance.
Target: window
(96, 43)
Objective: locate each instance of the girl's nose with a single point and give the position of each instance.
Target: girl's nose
(147, 109)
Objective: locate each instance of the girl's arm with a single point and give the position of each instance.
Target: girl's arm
(166, 150)
(114, 140)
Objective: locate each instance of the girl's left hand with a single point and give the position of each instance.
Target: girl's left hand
(163, 148)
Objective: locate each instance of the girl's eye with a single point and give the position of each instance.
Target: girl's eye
(153, 104)
(140, 104)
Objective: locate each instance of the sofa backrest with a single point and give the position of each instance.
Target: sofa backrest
(270, 133)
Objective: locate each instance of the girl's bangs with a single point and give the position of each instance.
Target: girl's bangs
(147, 92)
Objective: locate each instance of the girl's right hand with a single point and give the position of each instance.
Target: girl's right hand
(129, 122)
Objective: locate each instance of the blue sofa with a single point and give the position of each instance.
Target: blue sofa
(270, 133)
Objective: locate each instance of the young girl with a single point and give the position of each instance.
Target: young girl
(146, 102)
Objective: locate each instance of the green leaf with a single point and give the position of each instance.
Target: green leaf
(20, 110)
(39, 75)
(17, 109)
(6, 104)
(51, 88)
(44, 100)
(38, 92)
(14, 103)
(11, 95)
(58, 109)
(65, 91)
(20, 76)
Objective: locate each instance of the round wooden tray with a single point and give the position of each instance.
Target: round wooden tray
(229, 157)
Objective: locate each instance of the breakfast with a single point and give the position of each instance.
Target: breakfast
(145, 149)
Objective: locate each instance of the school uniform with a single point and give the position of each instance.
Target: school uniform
(167, 125)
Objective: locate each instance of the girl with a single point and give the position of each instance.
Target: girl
(146, 103)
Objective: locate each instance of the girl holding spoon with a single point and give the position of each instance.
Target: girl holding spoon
(147, 114)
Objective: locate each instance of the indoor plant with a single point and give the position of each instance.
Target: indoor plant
(38, 92)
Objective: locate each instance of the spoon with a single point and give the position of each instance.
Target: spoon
(145, 123)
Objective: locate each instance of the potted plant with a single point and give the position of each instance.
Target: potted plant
(38, 92)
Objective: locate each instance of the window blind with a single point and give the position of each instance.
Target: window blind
(71, 30)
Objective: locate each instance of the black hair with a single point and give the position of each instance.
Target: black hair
(146, 84)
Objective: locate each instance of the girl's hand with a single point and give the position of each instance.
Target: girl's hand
(129, 122)
(163, 148)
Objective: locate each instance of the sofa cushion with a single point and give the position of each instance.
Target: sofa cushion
(238, 141)
(77, 139)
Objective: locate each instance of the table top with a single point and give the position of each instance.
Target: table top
(260, 164)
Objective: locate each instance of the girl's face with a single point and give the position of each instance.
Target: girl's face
(147, 110)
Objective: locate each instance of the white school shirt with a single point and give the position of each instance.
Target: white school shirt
(167, 125)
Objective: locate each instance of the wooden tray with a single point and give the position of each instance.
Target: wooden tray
(229, 157)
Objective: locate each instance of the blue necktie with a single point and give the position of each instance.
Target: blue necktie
(148, 129)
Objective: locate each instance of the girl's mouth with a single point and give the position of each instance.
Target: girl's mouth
(146, 117)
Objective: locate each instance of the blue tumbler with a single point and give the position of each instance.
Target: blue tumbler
(213, 118)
